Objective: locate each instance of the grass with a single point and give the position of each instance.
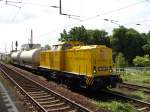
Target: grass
(138, 78)
(141, 78)
(115, 106)
(138, 95)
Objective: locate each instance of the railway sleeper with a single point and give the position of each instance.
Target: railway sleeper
(47, 102)
(72, 110)
(60, 104)
(41, 97)
(31, 90)
(142, 109)
(29, 86)
(60, 109)
(38, 94)
(45, 99)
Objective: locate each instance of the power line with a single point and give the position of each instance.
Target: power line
(93, 17)
(140, 22)
(89, 18)
(16, 14)
(115, 10)
(12, 3)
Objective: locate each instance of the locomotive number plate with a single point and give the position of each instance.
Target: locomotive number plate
(102, 68)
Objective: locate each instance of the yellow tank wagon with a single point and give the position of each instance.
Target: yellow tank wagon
(76, 64)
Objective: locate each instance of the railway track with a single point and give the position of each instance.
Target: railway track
(141, 106)
(39, 98)
(135, 87)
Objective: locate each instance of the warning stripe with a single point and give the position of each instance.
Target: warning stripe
(89, 80)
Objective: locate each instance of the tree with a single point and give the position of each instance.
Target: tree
(127, 41)
(76, 33)
(87, 36)
(99, 37)
(146, 47)
(120, 61)
(63, 36)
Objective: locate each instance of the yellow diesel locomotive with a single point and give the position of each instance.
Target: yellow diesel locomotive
(78, 65)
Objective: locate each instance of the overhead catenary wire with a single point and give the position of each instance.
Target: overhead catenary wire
(13, 19)
(88, 18)
(115, 10)
(100, 15)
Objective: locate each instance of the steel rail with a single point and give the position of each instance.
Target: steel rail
(125, 97)
(135, 87)
(23, 91)
(74, 104)
(141, 87)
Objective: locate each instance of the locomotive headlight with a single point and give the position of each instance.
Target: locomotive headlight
(94, 70)
(110, 69)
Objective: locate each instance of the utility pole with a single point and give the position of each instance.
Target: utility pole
(16, 44)
(12, 46)
(60, 12)
(69, 15)
(31, 37)
(31, 40)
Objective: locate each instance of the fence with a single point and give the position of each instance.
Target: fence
(130, 69)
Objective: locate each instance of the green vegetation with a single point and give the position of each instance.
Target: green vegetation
(120, 61)
(87, 36)
(139, 78)
(127, 41)
(148, 98)
(115, 106)
(138, 95)
(146, 47)
(142, 61)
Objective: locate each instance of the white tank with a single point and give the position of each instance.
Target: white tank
(31, 57)
(15, 56)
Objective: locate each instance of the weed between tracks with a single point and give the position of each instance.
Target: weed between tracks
(139, 78)
(115, 106)
(140, 95)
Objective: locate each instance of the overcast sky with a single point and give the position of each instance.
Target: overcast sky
(17, 19)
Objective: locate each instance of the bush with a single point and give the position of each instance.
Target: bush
(142, 61)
